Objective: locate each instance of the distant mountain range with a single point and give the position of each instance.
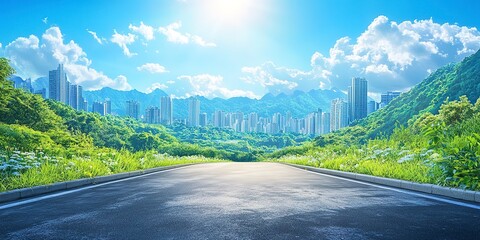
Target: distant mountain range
(448, 82)
(298, 103)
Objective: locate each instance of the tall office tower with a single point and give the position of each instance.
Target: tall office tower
(310, 124)
(372, 106)
(318, 122)
(219, 119)
(76, 97)
(338, 114)
(325, 123)
(133, 108)
(203, 119)
(108, 106)
(152, 115)
(194, 112)
(357, 99)
(42, 92)
(85, 105)
(238, 121)
(252, 122)
(67, 93)
(166, 107)
(386, 98)
(98, 107)
(58, 85)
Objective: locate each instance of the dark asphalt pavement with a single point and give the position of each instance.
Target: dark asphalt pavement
(238, 201)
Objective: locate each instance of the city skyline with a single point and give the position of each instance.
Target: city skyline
(187, 48)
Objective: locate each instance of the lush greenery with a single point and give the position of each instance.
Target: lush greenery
(26, 169)
(430, 134)
(420, 136)
(448, 82)
(252, 146)
(44, 141)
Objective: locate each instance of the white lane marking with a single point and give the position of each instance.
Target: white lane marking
(36, 199)
(424, 195)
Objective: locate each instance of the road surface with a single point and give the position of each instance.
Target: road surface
(238, 201)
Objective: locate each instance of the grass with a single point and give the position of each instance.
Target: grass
(28, 169)
(372, 160)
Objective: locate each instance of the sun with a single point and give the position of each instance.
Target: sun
(229, 12)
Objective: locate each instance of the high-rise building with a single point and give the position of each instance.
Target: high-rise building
(42, 92)
(219, 119)
(203, 119)
(372, 106)
(133, 108)
(58, 88)
(386, 98)
(166, 107)
(338, 114)
(152, 115)
(108, 106)
(325, 123)
(85, 105)
(357, 99)
(76, 97)
(318, 122)
(194, 112)
(252, 122)
(99, 107)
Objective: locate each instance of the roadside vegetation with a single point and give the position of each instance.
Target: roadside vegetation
(44, 141)
(441, 148)
(430, 134)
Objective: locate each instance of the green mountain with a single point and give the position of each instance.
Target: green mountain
(449, 82)
(299, 103)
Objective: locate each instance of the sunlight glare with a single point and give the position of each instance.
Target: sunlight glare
(229, 12)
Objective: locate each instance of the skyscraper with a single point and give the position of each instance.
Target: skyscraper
(76, 97)
(386, 98)
(108, 106)
(357, 99)
(152, 115)
(133, 108)
(194, 112)
(325, 123)
(203, 119)
(58, 87)
(219, 119)
(166, 107)
(99, 107)
(372, 106)
(338, 114)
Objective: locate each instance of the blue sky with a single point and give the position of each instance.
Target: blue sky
(220, 48)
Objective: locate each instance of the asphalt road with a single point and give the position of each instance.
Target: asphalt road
(238, 201)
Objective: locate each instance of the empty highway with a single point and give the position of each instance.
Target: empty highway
(238, 201)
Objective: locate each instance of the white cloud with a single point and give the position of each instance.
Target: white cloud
(175, 36)
(144, 30)
(278, 79)
(34, 57)
(122, 41)
(94, 35)
(391, 55)
(152, 68)
(0, 45)
(156, 86)
(207, 85)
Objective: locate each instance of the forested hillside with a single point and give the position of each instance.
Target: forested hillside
(429, 134)
(449, 82)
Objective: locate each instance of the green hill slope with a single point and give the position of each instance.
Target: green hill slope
(449, 82)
